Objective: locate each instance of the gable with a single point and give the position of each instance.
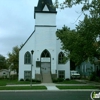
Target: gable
(45, 8)
(27, 40)
(45, 3)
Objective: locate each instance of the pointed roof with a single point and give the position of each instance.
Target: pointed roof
(41, 5)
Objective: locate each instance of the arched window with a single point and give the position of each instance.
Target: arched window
(45, 54)
(61, 58)
(27, 58)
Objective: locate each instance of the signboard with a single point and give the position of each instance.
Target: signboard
(45, 59)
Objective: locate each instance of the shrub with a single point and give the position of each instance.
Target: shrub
(21, 79)
(67, 79)
(94, 77)
(60, 79)
(33, 80)
(27, 79)
(97, 79)
(39, 81)
(55, 80)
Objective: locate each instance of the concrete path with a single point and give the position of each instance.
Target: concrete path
(49, 86)
(52, 88)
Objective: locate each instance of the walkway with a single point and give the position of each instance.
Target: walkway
(52, 86)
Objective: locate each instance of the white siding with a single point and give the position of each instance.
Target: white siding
(43, 38)
(45, 19)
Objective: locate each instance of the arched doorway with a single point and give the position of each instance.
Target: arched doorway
(45, 61)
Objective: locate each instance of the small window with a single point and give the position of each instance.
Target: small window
(27, 75)
(61, 74)
(27, 58)
(61, 58)
(38, 63)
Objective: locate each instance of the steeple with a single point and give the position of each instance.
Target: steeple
(45, 13)
(43, 3)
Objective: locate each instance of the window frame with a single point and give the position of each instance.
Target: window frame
(45, 54)
(61, 74)
(61, 58)
(27, 58)
(27, 75)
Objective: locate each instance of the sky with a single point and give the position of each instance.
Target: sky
(17, 21)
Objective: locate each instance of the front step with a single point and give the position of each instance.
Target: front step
(46, 78)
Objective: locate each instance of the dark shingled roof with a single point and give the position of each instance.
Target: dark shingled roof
(42, 3)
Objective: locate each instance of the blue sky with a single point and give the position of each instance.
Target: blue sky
(17, 21)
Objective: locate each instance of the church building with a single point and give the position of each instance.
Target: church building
(41, 56)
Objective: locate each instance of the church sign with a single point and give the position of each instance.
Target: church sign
(45, 59)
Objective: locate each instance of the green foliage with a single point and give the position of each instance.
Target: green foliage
(82, 43)
(2, 62)
(58, 80)
(13, 59)
(93, 6)
(27, 79)
(21, 79)
(94, 77)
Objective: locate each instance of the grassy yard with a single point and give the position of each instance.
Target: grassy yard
(69, 82)
(4, 82)
(78, 87)
(23, 88)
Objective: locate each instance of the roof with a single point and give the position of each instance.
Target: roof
(42, 3)
(4, 70)
(27, 40)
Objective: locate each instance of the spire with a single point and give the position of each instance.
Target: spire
(41, 5)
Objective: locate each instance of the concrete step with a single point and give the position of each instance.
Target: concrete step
(46, 78)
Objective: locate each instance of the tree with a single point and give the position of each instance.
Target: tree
(82, 44)
(86, 4)
(2, 62)
(13, 59)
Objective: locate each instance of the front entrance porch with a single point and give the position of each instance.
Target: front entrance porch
(46, 67)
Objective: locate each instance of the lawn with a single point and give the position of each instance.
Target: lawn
(4, 82)
(23, 88)
(69, 82)
(78, 87)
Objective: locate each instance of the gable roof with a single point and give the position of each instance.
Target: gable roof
(42, 3)
(27, 40)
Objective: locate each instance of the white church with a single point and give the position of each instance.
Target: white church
(41, 56)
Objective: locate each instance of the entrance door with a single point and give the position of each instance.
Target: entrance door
(45, 67)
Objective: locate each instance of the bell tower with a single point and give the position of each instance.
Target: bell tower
(45, 13)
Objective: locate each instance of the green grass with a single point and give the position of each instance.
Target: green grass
(4, 82)
(23, 88)
(69, 82)
(78, 87)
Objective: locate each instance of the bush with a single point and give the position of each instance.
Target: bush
(97, 79)
(39, 81)
(21, 79)
(60, 79)
(27, 79)
(67, 79)
(94, 77)
(33, 80)
(54, 80)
